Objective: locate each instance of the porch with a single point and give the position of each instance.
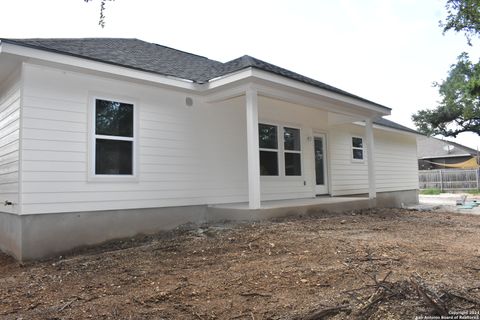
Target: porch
(283, 208)
(317, 160)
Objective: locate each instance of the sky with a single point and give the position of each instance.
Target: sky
(387, 51)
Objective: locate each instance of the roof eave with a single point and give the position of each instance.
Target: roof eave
(252, 74)
(53, 56)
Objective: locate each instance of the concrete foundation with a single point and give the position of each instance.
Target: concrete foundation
(11, 234)
(396, 199)
(28, 237)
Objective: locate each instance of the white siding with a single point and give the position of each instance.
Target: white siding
(395, 161)
(186, 156)
(347, 176)
(10, 92)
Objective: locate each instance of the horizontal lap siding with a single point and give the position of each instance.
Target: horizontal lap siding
(347, 176)
(10, 94)
(395, 161)
(186, 156)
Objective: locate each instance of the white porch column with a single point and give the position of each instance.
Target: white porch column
(372, 192)
(253, 149)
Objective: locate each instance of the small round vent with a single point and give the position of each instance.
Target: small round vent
(188, 101)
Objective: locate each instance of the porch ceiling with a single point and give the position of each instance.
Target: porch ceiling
(276, 87)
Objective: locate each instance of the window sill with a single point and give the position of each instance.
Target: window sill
(267, 178)
(358, 160)
(113, 178)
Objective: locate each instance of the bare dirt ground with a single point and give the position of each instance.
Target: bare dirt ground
(373, 264)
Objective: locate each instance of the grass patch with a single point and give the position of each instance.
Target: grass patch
(474, 192)
(431, 191)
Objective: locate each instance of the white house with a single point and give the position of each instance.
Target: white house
(107, 138)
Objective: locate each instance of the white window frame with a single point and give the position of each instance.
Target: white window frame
(92, 176)
(292, 151)
(281, 150)
(357, 148)
(277, 150)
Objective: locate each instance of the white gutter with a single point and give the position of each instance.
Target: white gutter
(448, 156)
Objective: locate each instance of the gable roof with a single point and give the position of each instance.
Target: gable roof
(154, 58)
(430, 147)
(130, 53)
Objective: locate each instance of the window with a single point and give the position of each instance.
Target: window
(271, 146)
(268, 143)
(114, 137)
(292, 151)
(357, 148)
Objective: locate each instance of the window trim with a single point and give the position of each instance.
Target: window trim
(292, 151)
(281, 150)
(357, 148)
(277, 150)
(92, 137)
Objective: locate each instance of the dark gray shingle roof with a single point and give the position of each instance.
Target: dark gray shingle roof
(247, 62)
(150, 57)
(390, 124)
(430, 147)
(131, 53)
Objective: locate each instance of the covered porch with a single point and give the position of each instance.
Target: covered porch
(313, 113)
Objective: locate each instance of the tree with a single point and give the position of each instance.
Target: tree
(459, 108)
(463, 16)
(101, 21)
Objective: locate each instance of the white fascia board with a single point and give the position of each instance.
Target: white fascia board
(384, 128)
(448, 156)
(380, 127)
(84, 63)
(323, 92)
(229, 78)
(253, 74)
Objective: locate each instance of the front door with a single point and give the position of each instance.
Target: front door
(321, 186)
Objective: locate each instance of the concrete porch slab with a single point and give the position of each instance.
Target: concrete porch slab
(282, 208)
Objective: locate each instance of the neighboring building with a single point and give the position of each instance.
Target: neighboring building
(107, 138)
(435, 153)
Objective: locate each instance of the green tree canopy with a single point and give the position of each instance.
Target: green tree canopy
(463, 16)
(459, 109)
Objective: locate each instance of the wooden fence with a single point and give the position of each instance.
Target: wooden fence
(449, 179)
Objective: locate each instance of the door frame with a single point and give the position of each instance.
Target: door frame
(321, 189)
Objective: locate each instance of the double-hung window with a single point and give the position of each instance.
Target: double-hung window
(268, 143)
(357, 148)
(284, 141)
(113, 138)
(292, 152)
